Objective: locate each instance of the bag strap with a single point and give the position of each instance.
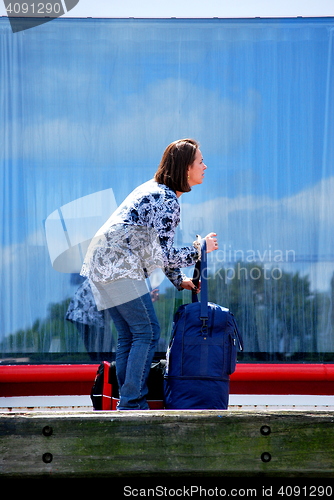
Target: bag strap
(200, 273)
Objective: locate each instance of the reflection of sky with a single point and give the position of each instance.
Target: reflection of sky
(91, 104)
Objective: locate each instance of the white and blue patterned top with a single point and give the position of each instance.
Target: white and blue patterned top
(82, 308)
(139, 238)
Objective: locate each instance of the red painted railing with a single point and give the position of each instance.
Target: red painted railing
(283, 379)
(46, 380)
(49, 380)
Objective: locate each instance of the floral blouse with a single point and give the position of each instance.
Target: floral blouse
(82, 308)
(138, 238)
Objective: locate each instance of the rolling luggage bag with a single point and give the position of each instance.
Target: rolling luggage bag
(105, 394)
(202, 352)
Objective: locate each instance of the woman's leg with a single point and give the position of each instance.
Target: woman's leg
(124, 341)
(138, 334)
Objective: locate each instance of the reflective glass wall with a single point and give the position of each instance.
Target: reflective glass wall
(87, 108)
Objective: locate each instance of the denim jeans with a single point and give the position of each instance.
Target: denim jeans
(138, 334)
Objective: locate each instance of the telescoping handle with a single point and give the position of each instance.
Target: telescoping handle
(201, 273)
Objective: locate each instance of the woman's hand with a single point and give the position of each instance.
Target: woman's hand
(188, 284)
(211, 242)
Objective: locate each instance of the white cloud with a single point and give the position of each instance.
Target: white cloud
(198, 8)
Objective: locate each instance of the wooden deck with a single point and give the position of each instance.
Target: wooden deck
(167, 443)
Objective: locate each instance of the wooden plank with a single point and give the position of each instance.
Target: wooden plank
(212, 443)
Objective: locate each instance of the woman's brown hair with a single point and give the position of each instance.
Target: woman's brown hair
(173, 167)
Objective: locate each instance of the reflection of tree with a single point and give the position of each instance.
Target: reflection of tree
(53, 334)
(276, 310)
(276, 313)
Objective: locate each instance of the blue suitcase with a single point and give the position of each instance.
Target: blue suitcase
(202, 352)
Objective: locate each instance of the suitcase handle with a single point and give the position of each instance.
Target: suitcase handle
(200, 272)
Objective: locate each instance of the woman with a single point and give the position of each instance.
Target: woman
(137, 239)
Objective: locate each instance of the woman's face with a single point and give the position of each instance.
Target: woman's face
(196, 170)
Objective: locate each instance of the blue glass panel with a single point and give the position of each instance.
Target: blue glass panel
(89, 105)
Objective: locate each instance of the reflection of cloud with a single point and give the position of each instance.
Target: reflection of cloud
(302, 223)
(26, 283)
(320, 274)
(15, 255)
(187, 110)
(141, 124)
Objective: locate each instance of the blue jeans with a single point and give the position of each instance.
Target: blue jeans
(138, 334)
